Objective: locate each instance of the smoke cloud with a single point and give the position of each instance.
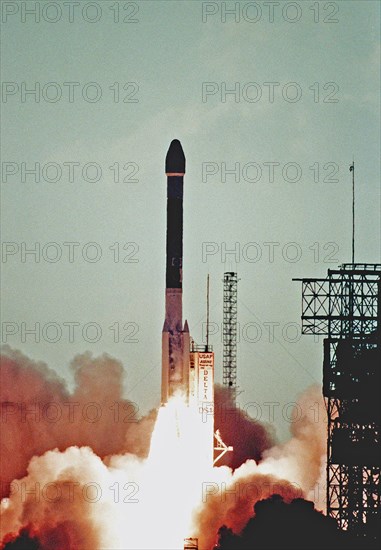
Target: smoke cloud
(303, 457)
(57, 499)
(38, 413)
(82, 471)
(248, 437)
(292, 470)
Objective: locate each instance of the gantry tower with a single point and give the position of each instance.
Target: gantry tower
(346, 307)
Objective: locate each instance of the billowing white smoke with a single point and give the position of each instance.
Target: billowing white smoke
(75, 496)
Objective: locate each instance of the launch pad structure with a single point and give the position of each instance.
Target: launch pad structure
(346, 308)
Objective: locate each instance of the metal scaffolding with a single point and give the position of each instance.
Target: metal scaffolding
(229, 331)
(346, 307)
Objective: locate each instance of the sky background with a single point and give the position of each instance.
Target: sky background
(169, 52)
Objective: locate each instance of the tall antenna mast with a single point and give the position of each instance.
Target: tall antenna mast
(352, 169)
(207, 313)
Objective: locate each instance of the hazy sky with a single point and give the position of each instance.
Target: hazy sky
(324, 76)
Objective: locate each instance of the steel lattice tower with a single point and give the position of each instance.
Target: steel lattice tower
(229, 331)
(346, 308)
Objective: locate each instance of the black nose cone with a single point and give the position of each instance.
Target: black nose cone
(175, 159)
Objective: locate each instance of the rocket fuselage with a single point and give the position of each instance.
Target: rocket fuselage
(173, 312)
(175, 337)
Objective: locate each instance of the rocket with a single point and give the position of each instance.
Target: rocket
(187, 369)
(175, 335)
